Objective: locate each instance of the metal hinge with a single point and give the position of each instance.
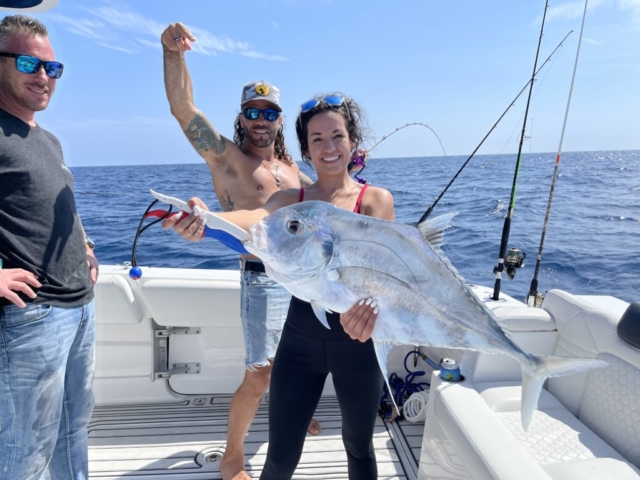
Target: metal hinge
(161, 335)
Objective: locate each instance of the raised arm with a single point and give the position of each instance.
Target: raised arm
(176, 39)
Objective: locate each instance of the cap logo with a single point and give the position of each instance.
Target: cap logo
(262, 89)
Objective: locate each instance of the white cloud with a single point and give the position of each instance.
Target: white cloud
(148, 43)
(275, 24)
(574, 9)
(114, 19)
(117, 47)
(591, 41)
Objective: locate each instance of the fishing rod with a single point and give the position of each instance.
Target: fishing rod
(405, 126)
(534, 298)
(514, 260)
(430, 209)
(359, 158)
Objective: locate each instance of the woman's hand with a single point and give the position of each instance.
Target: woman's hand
(359, 320)
(189, 227)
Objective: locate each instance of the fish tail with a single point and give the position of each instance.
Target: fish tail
(538, 369)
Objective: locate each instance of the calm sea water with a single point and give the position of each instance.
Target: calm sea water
(592, 244)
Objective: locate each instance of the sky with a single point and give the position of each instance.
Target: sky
(454, 66)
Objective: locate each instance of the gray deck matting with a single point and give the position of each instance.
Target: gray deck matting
(169, 441)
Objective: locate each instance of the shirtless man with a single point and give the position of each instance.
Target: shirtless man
(245, 173)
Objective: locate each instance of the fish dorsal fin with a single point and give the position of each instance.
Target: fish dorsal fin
(433, 232)
(433, 229)
(320, 312)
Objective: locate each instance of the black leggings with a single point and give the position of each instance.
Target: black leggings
(299, 371)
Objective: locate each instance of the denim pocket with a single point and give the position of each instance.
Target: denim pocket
(14, 316)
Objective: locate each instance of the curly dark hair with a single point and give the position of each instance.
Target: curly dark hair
(20, 25)
(279, 147)
(349, 109)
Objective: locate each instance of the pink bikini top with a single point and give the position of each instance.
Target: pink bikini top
(358, 201)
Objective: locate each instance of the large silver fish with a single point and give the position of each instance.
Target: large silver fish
(332, 258)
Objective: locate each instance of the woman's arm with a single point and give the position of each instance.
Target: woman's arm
(378, 202)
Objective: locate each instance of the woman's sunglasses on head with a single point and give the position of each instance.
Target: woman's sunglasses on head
(269, 114)
(31, 65)
(333, 100)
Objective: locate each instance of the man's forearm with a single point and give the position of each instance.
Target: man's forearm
(177, 83)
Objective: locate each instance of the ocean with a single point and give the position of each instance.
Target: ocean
(592, 245)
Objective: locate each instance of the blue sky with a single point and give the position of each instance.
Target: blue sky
(452, 65)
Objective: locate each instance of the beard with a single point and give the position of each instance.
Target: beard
(262, 140)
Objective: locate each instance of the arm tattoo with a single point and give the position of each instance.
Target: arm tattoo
(225, 203)
(203, 136)
(304, 180)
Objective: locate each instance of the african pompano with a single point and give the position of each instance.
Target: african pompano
(333, 258)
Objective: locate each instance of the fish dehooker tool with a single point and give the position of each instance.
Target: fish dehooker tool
(214, 227)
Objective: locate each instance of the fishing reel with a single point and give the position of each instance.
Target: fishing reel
(358, 160)
(512, 261)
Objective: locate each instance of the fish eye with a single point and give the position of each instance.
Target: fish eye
(294, 226)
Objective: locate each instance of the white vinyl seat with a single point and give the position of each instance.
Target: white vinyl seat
(586, 427)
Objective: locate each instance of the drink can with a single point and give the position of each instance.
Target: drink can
(449, 370)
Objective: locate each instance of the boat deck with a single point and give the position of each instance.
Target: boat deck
(185, 441)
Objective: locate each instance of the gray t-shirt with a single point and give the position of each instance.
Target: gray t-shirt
(39, 226)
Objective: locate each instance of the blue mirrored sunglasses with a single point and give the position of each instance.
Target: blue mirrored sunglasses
(333, 100)
(269, 114)
(31, 65)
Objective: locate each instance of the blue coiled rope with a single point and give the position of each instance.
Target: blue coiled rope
(404, 388)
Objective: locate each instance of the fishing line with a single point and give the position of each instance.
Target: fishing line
(359, 160)
(408, 125)
(514, 260)
(430, 209)
(534, 96)
(534, 298)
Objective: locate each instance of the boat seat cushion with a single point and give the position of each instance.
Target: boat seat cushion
(607, 400)
(518, 319)
(555, 434)
(599, 468)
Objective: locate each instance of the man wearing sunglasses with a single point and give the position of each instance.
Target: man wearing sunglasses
(245, 173)
(47, 272)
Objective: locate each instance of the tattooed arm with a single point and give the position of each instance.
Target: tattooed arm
(177, 81)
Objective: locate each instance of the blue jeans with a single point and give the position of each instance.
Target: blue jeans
(265, 304)
(46, 373)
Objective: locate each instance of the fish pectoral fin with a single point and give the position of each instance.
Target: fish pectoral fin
(321, 312)
(382, 349)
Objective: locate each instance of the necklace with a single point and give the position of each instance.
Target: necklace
(275, 175)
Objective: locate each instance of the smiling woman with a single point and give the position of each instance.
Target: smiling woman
(28, 5)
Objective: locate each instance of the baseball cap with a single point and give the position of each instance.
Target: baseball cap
(261, 90)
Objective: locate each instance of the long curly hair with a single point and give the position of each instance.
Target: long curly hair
(354, 117)
(279, 148)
